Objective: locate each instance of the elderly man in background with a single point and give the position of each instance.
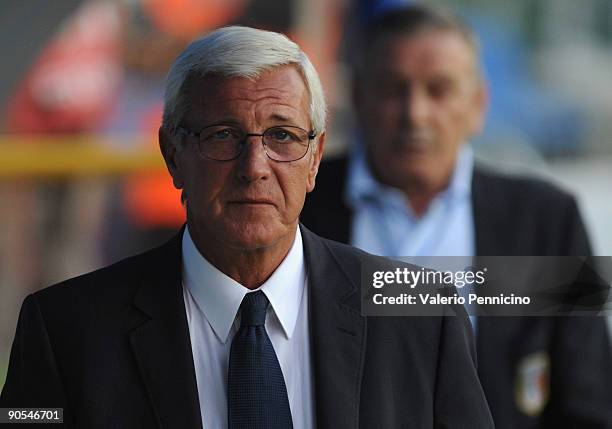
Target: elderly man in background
(410, 188)
(244, 319)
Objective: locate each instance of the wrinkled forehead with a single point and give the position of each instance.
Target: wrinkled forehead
(428, 49)
(415, 29)
(280, 91)
(432, 38)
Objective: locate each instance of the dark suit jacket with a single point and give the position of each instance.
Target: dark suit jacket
(112, 347)
(513, 217)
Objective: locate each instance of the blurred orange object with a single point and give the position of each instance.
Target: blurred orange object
(186, 19)
(151, 201)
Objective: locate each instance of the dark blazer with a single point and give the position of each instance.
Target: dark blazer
(112, 348)
(513, 217)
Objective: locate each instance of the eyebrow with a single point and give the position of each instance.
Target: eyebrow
(285, 120)
(279, 117)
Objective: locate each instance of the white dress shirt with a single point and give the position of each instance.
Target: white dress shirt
(212, 301)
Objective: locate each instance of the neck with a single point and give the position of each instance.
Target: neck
(420, 201)
(419, 193)
(249, 267)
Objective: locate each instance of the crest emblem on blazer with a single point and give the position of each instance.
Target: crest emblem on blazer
(532, 384)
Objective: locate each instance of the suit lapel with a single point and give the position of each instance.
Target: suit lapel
(161, 345)
(485, 234)
(337, 332)
(486, 216)
(492, 226)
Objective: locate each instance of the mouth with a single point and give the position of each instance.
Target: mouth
(253, 201)
(412, 144)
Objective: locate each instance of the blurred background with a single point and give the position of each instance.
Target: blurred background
(82, 183)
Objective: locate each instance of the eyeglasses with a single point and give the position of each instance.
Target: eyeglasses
(225, 142)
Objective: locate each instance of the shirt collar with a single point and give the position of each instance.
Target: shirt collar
(362, 186)
(461, 180)
(218, 296)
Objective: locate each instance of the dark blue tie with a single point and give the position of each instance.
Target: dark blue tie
(256, 396)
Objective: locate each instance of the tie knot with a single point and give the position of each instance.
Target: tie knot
(253, 307)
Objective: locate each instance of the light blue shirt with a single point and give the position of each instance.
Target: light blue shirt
(385, 224)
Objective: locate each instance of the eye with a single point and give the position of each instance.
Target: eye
(218, 133)
(440, 89)
(224, 134)
(281, 135)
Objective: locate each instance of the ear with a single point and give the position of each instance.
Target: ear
(170, 153)
(315, 162)
(481, 105)
(357, 97)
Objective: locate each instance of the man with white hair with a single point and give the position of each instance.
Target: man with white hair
(245, 319)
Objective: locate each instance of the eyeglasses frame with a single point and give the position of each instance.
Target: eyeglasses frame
(311, 136)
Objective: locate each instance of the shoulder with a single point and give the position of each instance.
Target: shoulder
(526, 215)
(517, 189)
(347, 255)
(107, 289)
(355, 263)
(112, 277)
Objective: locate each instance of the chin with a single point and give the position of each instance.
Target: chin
(252, 236)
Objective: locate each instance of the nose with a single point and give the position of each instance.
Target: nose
(253, 163)
(415, 108)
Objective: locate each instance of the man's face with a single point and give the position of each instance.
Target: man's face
(251, 202)
(419, 99)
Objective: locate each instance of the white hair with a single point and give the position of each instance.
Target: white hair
(244, 52)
